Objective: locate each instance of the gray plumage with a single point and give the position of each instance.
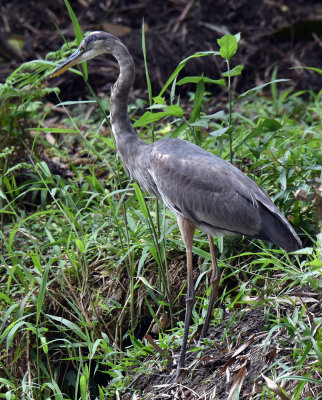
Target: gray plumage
(201, 189)
(216, 196)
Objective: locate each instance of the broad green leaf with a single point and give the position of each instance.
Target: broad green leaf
(267, 125)
(149, 117)
(83, 387)
(42, 166)
(234, 72)
(136, 342)
(202, 122)
(219, 132)
(197, 79)
(108, 141)
(36, 260)
(228, 46)
(159, 100)
(80, 245)
(44, 344)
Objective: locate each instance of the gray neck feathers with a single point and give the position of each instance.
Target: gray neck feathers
(129, 146)
(120, 120)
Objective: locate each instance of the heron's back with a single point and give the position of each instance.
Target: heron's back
(216, 196)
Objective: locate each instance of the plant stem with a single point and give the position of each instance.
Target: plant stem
(230, 113)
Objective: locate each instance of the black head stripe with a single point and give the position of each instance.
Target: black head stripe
(99, 35)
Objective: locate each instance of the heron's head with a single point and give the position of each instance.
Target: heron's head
(93, 45)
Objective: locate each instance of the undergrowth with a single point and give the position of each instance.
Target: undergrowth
(90, 266)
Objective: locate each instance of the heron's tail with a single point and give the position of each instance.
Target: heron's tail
(278, 230)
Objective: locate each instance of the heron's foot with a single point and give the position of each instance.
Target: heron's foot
(173, 377)
(177, 376)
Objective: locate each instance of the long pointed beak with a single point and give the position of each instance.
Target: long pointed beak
(72, 60)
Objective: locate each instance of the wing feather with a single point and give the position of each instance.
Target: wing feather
(204, 188)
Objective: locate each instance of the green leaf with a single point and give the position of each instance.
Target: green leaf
(83, 387)
(36, 260)
(78, 32)
(12, 332)
(77, 28)
(264, 127)
(267, 125)
(181, 65)
(2, 195)
(156, 319)
(42, 292)
(43, 167)
(195, 114)
(228, 46)
(219, 132)
(70, 325)
(318, 70)
(7, 382)
(80, 246)
(141, 200)
(148, 81)
(260, 87)
(197, 79)
(159, 100)
(316, 348)
(44, 343)
(149, 117)
(234, 72)
(56, 130)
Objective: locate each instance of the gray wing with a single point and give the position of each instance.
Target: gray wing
(211, 192)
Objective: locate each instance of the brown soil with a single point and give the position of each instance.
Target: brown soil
(274, 34)
(246, 356)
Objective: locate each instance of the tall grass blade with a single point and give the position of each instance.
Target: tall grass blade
(78, 33)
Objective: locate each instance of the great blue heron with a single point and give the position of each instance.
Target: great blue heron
(202, 190)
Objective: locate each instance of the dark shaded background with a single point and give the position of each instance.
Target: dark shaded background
(274, 33)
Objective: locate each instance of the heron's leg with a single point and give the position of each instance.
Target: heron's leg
(215, 279)
(187, 230)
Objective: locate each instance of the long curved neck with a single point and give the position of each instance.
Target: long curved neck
(133, 152)
(120, 121)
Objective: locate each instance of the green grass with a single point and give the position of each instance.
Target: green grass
(88, 264)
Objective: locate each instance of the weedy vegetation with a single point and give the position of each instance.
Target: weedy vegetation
(92, 272)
